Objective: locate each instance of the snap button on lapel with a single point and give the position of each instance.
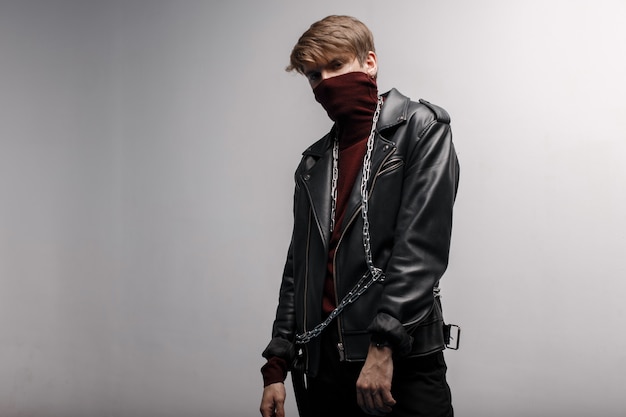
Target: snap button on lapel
(307, 177)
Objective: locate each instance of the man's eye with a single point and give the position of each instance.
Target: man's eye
(313, 76)
(337, 65)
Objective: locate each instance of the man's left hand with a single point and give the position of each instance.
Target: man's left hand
(373, 388)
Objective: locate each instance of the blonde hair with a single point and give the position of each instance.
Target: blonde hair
(333, 35)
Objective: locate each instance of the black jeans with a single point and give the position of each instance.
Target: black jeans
(419, 385)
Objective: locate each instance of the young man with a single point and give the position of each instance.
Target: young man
(359, 320)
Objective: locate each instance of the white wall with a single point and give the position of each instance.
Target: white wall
(146, 159)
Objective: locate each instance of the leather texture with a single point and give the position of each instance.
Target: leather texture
(413, 185)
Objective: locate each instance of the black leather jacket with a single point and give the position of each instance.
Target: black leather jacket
(413, 183)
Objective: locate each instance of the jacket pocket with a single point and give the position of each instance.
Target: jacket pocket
(391, 165)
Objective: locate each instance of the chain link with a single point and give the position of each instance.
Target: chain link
(333, 188)
(373, 274)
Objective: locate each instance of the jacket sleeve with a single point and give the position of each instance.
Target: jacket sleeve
(422, 236)
(284, 327)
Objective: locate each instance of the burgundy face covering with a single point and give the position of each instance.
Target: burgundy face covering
(349, 99)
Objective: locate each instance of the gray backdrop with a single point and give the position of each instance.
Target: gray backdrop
(146, 158)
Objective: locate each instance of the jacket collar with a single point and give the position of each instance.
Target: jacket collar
(394, 111)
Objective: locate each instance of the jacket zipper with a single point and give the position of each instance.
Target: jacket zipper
(306, 281)
(340, 348)
(340, 344)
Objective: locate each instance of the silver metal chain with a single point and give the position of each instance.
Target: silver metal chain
(367, 168)
(373, 274)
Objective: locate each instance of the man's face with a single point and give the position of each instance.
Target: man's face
(338, 65)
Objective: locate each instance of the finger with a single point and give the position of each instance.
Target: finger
(360, 400)
(388, 399)
(370, 402)
(379, 404)
(280, 409)
(266, 411)
(271, 407)
(364, 399)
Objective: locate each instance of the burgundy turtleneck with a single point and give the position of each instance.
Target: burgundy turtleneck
(350, 101)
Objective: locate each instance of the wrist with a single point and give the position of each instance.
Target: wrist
(380, 350)
(381, 344)
(380, 341)
(275, 370)
(389, 329)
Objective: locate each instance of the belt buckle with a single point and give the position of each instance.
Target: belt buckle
(452, 333)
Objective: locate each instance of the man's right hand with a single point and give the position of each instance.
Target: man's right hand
(273, 401)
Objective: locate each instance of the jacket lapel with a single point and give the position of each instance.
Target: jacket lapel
(317, 183)
(382, 149)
